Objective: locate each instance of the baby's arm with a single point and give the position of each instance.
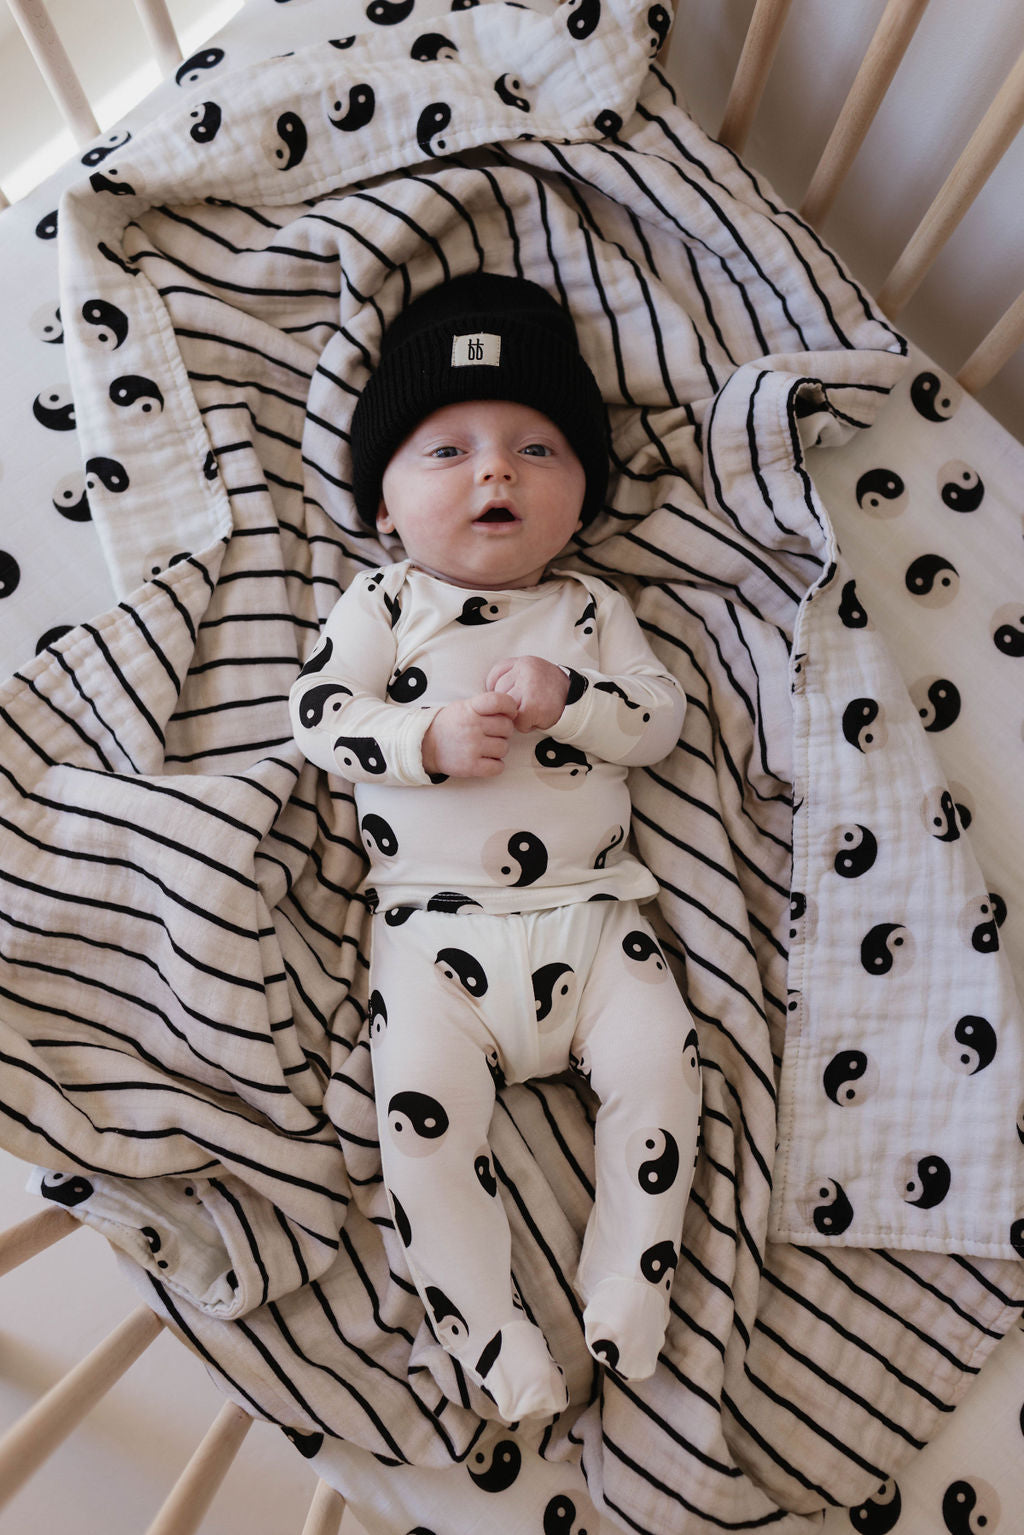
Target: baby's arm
(347, 719)
(628, 711)
(342, 716)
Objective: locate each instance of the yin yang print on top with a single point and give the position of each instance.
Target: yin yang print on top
(908, 630)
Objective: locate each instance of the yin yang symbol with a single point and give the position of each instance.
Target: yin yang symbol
(937, 701)
(1008, 630)
(361, 751)
(882, 493)
(971, 1507)
(449, 1323)
(71, 499)
(970, 1045)
(880, 1513)
(939, 814)
(552, 983)
(407, 686)
(515, 858)
(418, 1123)
(376, 1015)
(354, 114)
(887, 947)
(856, 851)
(136, 393)
(657, 1153)
(979, 925)
(851, 610)
(864, 724)
(379, 835)
(923, 1181)
(658, 1263)
(832, 1212)
(560, 1516)
(433, 46)
(206, 121)
(584, 19)
(288, 144)
(508, 90)
(931, 398)
(387, 13)
(68, 1189)
(320, 702)
(850, 1078)
(54, 409)
(189, 72)
(960, 486)
(463, 969)
(432, 122)
(46, 325)
(560, 765)
(478, 610)
(108, 472)
(319, 658)
(497, 1474)
(108, 324)
(643, 951)
(932, 578)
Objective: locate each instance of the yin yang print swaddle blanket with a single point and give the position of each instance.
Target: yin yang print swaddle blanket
(183, 963)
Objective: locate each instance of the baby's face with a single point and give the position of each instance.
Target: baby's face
(483, 494)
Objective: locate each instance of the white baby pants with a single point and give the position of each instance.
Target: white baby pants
(461, 1003)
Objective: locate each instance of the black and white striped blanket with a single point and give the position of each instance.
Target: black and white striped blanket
(183, 968)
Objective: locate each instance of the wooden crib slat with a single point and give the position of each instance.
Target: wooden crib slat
(55, 67)
(160, 28)
(20, 1243)
(986, 147)
(995, 349)
(885, 51)
(758, 53)
(46, 1425)
(325, 1511)
(193, 1492)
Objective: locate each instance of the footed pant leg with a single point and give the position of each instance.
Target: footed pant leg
(635, 1038)
(435, 1094)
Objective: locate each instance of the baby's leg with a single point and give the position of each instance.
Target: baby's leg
(435, 1098)
(637, 1041)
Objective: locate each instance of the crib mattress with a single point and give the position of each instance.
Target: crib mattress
(821, 538)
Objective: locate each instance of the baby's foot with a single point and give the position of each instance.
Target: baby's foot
(625, 1323)
(521, 1375)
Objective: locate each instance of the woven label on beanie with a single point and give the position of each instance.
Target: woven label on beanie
(469, 351)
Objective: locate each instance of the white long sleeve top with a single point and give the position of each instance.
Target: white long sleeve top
(553, 827)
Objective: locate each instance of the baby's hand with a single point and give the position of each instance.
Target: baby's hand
(469, 738)
(539, 689)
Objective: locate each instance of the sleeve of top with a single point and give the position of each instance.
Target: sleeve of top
(341, 715)
(629, 712)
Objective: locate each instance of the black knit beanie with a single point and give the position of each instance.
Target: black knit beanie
(478, 337)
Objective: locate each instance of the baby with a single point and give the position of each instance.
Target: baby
(487, 710)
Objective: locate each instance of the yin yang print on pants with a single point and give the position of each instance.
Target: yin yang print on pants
(879, 1514)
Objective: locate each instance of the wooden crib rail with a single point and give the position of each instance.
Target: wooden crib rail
(58, 71)
(40, 1432)
(987, 145)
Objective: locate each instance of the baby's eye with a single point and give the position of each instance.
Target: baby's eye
(539, 449)
(447, 450)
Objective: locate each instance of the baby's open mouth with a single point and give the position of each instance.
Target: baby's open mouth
(497, 514)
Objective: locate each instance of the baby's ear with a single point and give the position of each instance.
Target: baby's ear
(384, 523)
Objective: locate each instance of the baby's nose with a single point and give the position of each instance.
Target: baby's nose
(497, 465)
